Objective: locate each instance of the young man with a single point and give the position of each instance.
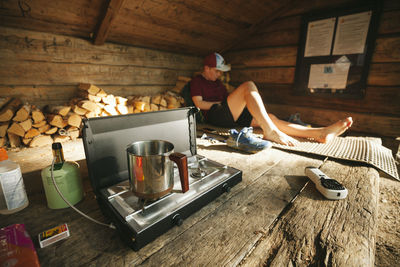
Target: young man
(244, 107)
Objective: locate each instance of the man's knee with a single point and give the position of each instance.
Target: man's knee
(250, 86)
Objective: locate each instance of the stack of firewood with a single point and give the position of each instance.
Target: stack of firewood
(23, 124)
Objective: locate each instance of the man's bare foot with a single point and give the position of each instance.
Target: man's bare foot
(330, 132)
(280, 138)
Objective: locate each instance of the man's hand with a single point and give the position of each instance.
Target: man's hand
(201, 104)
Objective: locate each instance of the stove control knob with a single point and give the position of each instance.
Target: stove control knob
(226, 187)
(177, 219)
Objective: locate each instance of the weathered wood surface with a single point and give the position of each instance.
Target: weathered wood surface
(380, 74)
(224, 232)
(318, 232)
(380, 99)
(45, 68)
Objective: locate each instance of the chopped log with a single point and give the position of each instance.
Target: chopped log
(130, 109)
(4, 101)
(80, 111)
(162, 108)
(94, 98)
(109, 100)
(14, 140)
(153, 107)
(172, 102)
(31, 133)
(110, 109)
(75, 101)
(179, 86)
(16, 129)
(3, 128)
(88, 105)
(139, 105)
(86, 95)
(39, 124)
(101, 93)
(23, 113)
(45, 128)
(60, 138)
(145, 99)
(122, 109)
(3, 141)
(121, 100)
(37, 116)
(9, 109)
(51, 131)
(90, 88)
(41, 140)
(163, 102)
(26, 125)
(73, 132)
(56, 120)
(156, 99)
(58, 110)
(26, 141)
(146, 107)
(74, 120)
(100, 105)
(91, 114)
(104, 114)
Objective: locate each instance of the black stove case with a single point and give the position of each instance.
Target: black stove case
(105, 141)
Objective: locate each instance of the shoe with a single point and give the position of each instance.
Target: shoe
(295, 118)
(245, 140)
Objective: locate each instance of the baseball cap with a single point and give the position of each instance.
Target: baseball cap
(215, 60)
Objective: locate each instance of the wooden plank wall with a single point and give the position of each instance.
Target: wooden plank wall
(44, 68)
(269, 59)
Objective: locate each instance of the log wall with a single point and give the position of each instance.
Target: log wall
(43, 68)
(269, 59)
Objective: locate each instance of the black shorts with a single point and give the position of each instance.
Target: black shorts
(220, 115)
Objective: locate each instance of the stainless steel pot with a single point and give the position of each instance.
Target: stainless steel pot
(151, 168)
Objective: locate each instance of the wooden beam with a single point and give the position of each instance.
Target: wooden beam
(112, 11)
(256, 26)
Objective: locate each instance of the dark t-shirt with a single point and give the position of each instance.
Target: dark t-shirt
(209, 90)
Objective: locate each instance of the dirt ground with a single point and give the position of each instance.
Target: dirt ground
(388, 234)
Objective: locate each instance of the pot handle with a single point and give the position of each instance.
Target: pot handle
(181, 161)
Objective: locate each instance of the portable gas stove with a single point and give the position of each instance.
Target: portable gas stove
(140, 221)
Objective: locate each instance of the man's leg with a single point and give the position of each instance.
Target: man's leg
(320, 134)
(273, 128)
(247, 95)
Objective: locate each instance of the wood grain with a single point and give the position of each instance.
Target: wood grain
(316, 231)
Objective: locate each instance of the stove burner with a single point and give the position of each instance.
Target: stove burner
(198, 174)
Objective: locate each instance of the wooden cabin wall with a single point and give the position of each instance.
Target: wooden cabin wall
(44, 68)
(269, 59)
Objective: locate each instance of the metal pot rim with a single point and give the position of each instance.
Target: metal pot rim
(166, 153)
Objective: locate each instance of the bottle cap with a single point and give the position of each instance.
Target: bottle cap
(3, 154)
(56, 145)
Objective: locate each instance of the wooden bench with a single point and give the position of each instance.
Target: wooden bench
(273, 217)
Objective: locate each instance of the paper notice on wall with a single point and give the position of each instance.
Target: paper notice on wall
(351, 33)
(319, 37)
(328, 76)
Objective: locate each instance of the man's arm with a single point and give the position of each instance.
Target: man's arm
(201, 104)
